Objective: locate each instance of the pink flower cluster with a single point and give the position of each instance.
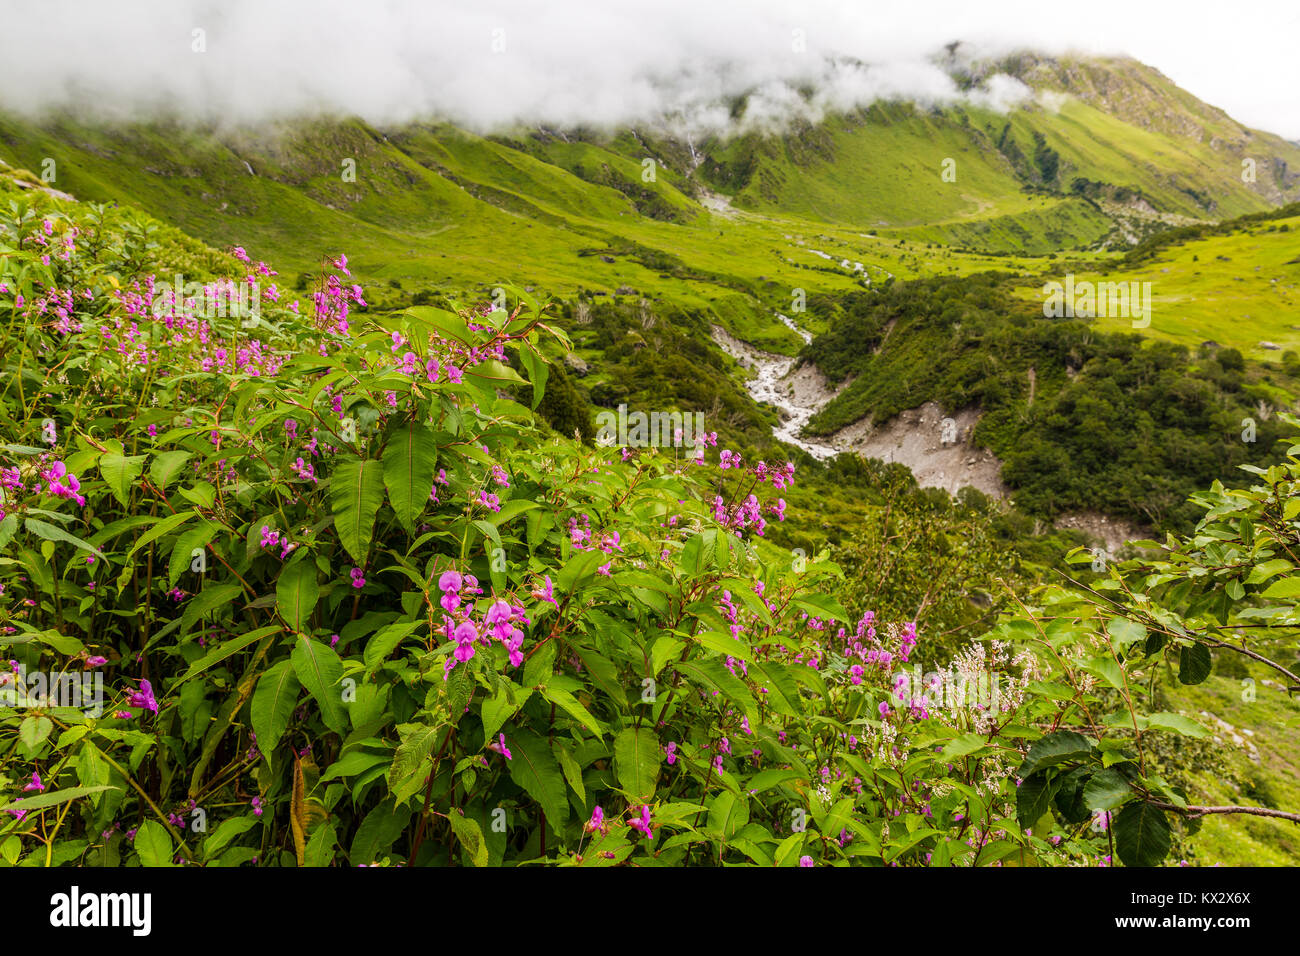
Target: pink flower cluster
(62, 483)
(501, 621)
(272, 538)
(334, 304)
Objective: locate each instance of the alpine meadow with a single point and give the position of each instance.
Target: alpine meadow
(625, 436)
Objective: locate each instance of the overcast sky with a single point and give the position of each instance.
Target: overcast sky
(488, 63)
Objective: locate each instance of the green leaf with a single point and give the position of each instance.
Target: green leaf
(535, 768)
(92, 771)
(501, 706)
(384, 641)
(227, 831)
(1125, 632)
(378, 832)
(154, 844)
(201, 493)
(34, 729)
(767, 779)
(54, 798)
(538, 370)
(470, 836)
(787, 854)
(1194, 664)
(1106, 790)
(185, 546)
(407, 773)
(1034, 798)
(206, 600)
(574, 708)
(572, 772)
(447, 324)
(52, 532)
(223, 650)
(355, 763)
(356, 492)
(165, 465)
(823, 606)
(494, 372)
(1054, 749)
(636, 762)
(1142, 835)
(714, 675)
(320, 671)
(409, 463)
(161, 528)
(725, 644)
(1069, 799)
(121, 473)
(1177, 724)
(963, 746)
(1262, 572)
(8, 527)
(273, 703)
(320, 847)
(783, 692)
(728, 814)
(296, 592)
(1107, 668)
(1288, 587)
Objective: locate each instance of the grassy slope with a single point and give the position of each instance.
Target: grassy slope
(1270, 721)
(448, 211)
(1237, 290)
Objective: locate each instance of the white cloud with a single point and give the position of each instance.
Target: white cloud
(495, 63)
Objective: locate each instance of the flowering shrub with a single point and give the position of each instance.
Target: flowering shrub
(349, 604)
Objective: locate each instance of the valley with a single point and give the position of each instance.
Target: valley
(361, 560)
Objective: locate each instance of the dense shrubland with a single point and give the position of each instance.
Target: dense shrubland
(1117, 425)
(351, 603)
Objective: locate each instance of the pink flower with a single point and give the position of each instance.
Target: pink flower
(35, 784)
(498, 613)
(805, 861)
(513, 644)
(597, 822)
(642, 823)
(546, 592)
(144, 698)
(465, 635)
